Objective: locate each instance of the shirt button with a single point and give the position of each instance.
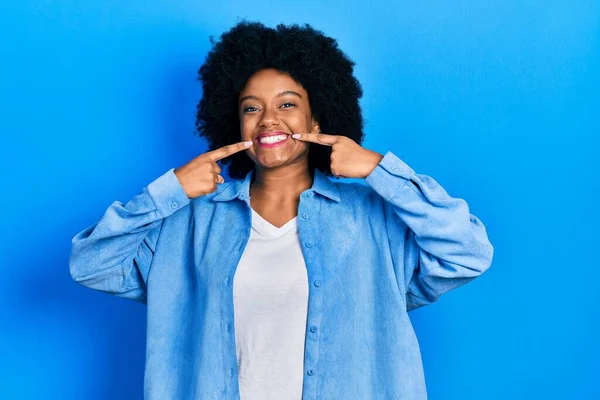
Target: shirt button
(310, 372)
(313, 329)
(305, 216)
(310, 194)
(308, 244)
(228, 328)
(317, 283)
(173, 204)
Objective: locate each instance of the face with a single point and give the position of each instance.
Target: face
(274, 103)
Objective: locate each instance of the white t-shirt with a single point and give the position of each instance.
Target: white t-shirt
(270, 293)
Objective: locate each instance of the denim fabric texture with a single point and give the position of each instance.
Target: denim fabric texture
(373, 253)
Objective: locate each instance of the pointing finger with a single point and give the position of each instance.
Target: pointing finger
(228, 150)
(320, 138)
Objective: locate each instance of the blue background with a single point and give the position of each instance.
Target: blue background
(498, 101)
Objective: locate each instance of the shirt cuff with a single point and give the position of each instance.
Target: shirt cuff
(167, 193)
(389, 176)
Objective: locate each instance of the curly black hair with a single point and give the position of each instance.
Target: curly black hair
(306, 55)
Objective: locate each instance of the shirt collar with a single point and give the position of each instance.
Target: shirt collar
(240, 188)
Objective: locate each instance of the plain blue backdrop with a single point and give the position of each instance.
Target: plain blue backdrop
(497, 100)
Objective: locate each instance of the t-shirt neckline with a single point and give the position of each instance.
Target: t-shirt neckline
(266, 228)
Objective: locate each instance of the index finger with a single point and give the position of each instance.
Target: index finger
(228, 150)
(320, 138)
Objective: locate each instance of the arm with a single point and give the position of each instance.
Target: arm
(114, 254)
(444, 246)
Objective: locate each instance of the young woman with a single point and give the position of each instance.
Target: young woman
(281, 283)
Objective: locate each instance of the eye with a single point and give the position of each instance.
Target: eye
(288, 104)
(249, 109)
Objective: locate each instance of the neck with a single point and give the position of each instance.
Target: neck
(278, 186)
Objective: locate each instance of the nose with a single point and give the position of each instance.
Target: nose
(269, 118)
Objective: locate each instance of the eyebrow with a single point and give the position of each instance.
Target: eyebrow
(285, 93)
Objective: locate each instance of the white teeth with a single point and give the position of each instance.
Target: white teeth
(272, 139)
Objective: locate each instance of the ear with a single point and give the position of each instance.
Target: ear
(316, 128)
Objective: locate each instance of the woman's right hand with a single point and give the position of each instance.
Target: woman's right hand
(200, 176)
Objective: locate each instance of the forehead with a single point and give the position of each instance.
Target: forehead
(270, 82)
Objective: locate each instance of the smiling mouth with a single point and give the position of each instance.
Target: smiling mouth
(273, 140)
(271, 133)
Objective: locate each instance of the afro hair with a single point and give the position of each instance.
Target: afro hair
(307, 56)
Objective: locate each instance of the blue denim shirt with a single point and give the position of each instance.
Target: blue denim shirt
(373, 252)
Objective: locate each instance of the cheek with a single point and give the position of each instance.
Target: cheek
(246, 127)
(298, 123)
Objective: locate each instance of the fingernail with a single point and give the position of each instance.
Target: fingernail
(296, 136)
(248, 143)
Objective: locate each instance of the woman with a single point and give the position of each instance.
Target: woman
(321, 274)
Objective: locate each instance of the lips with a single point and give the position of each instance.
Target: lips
(275, 144)
(271, 133)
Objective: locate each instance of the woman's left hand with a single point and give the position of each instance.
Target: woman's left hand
(348, 158)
